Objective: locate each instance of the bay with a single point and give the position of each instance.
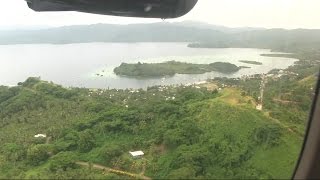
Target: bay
(77, 65)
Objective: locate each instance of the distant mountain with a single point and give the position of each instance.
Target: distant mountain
(275, 39)
(23, 27)
(199, 34)
(156, 32)
(224, 29)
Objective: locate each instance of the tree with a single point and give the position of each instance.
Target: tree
(269, 134)
(173, 137)
(31, 81)
(109, 152)
(196, 157)
(62, 160)
(38, 154)
(86, 140)
(182, 173)
(13, 152)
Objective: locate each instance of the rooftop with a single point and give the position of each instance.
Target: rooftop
(136, 153)
(40, 135)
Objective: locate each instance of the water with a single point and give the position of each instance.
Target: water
(76, 65)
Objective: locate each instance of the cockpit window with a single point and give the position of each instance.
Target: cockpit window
(223, 92)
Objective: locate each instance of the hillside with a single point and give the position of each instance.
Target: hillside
(211, 130)
(185, 132)
(199, 35)
(154, 32)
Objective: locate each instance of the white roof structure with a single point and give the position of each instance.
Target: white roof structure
(200, 82)
(259, 107)
(40, 135)
(136, 153)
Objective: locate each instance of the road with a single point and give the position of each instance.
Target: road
(104, 168)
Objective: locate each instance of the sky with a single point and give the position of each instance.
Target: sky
(287, 14)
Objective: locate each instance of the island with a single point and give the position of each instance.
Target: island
(209, 45)
(251, 62)
(244, 67)
(171, 68)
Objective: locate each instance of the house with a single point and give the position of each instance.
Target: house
(259, 107)
(40, 135)
(136, 154)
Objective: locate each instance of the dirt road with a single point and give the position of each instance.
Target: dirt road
(104, 168)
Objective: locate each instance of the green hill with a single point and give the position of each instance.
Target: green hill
(185, 132)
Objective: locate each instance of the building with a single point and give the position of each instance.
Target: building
(136, 154)
(259, 107)
(40, 135)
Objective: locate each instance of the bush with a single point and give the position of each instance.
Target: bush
(62, 160)
(38, 154)
(110, 151)
(269, 134)
(86, 140)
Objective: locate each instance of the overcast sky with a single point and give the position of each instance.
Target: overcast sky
(233, 13)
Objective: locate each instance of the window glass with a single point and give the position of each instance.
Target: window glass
(222, 92)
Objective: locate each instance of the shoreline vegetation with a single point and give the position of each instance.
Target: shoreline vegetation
(170, 68)
(251, 62)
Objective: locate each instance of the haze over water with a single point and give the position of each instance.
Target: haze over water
(76, 65)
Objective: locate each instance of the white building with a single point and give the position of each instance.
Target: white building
(136, 153)
(200, 82)
(259, 107)
(40, 135)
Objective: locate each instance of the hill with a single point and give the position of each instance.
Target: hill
(154, 32)
(184, 131)
(207, 131)
(199, 35)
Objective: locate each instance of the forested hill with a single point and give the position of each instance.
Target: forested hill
(155, 32)
(210, 131)
(200, 34)
(185, 132)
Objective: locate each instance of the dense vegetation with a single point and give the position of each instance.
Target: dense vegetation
(185, 131)
(287, 93)
(191, 135)
(171, 68)
(251, 62)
